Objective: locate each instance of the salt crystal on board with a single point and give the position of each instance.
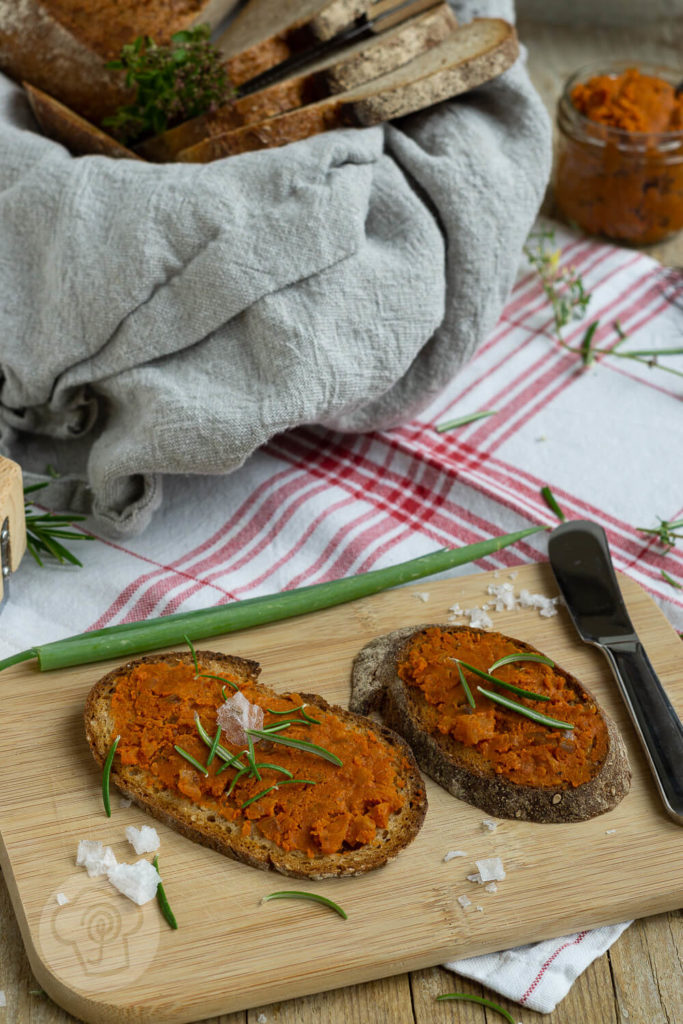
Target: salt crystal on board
(490, 869)
(236, 716)
(143, 840)
(137, 881)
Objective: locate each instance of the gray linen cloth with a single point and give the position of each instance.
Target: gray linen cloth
(171, 319)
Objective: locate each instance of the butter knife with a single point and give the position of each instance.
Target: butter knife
(580, 559)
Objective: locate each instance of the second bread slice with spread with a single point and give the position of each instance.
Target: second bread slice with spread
(296, 812)
(498, 759)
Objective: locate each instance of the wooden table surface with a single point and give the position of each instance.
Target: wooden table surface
(640, 979)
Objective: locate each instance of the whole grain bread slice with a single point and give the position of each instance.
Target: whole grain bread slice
(470, 55)
(376, 686)
(204, 826)
(344, 69)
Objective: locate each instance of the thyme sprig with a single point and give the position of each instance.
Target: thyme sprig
(569, 301)
(173, 83)
(45, 531)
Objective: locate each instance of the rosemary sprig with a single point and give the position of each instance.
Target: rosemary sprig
(666, 533)
(466, 687)
(214, 747)
(162, 899)
(295, 894)
(221, 679)
(225, 755)
(521, 709)
(551, 501)
(193, 760)
(106, 773)
(587, 353)
(461, 421)
(193, 653)
(482, 1002)
(501, 682)
(276, 785)
(278, 726)
(510, 658)
(287, 741)
(45, 531)
(291, 711)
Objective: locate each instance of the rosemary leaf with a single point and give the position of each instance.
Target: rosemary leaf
(106, 773)
(587, 353)
(295, 894)
(225, 755)
(482, 1002)
(193, 760)
(461, 421)
(510, 658)
(501, 682)
(669, 579)
(162, 899)
(214, 747)
(521, 709)
(466, 687)
(193, 653)
(551, 502)
(287, 741)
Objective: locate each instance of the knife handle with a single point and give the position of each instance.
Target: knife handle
(657, 724)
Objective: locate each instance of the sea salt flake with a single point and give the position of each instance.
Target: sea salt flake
(480, 908)
(491, 887)
(424, 596)
(547, 606)
(236, 716)
(490, 869)
(479, 619)
(610, 831)
(143, 840)
(62, 899)
(95, 858)
(124, 801)
(137, 881)
(261, 1019)
(453, 853)
(475, 878)
(455, 609)
(464, 901)
(488, 825)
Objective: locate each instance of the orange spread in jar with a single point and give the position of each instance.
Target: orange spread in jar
(620, 156)
(153, 709)
(498, 740)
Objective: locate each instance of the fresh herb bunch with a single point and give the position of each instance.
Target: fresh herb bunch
(174, 83)
(569, 301)
(45, 531)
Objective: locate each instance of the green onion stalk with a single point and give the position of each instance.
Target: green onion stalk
(152, 634)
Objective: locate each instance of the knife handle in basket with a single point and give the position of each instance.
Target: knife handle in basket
(657, 724)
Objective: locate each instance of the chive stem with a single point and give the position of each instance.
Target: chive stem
(521, 709)
(136, 637)
(162, 899)
(297, 895)
(106, 772)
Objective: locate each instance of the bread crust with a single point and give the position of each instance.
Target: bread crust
(376, 686)
(194, 822)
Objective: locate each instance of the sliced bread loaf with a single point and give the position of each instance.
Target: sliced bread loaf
(480, 750)
(471, 55)
(290, 809)
(344, 69)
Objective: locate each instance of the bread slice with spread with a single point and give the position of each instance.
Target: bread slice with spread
(267, 796)
(481, 749)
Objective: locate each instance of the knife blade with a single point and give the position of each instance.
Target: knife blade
(581, 562)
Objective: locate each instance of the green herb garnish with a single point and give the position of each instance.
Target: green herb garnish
(501, 682)
(214, 747)
(466, 687)
(287, 741)
(221, 679)
(669, 579)
(276, 785)
(225, 755)
(275, 768)
(510, 658)
(251, 757)
(194, 655)
(666, 533)
(551, 502)
(173, 83)
(294, 894)
(521, 709)
(461, 421)
(587, 353)
(45, 531)
(151, 634)
(106, 772)
(291, 711)
(162, 899)
(478, 999)
(193, 760)
(238, 776)
(278, 726)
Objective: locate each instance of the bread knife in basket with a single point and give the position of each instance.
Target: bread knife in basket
(12, 523)
(580, 559)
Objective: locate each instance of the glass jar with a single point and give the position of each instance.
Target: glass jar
(626, 185)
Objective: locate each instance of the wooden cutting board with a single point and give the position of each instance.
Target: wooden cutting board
(106, 960)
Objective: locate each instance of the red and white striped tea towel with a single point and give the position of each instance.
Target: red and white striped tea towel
(314, 505)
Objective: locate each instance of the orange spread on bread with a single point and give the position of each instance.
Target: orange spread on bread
(513, 745)
(153, 709)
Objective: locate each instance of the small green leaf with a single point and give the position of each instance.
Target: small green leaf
(461, 421)
(295, 894)
(551, 502)
(671, 580)
(162, 899)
